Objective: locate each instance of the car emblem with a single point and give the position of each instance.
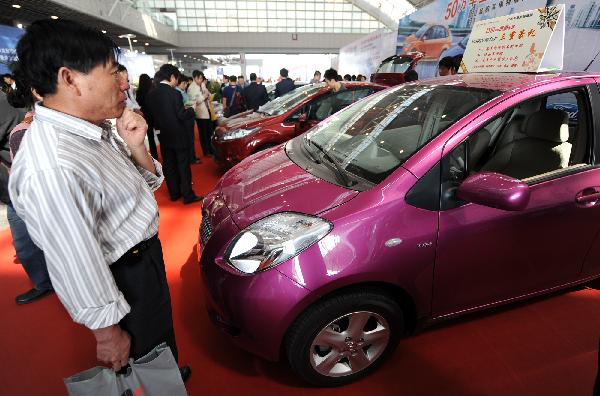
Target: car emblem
(424, 245)
(393, 242)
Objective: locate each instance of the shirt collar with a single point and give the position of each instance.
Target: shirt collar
(71, 124)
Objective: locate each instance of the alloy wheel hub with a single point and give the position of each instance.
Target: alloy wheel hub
(349, 344)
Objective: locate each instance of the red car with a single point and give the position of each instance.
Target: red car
(282, 119)
(392, 70)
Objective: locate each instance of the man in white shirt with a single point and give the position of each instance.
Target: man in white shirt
(87, 197)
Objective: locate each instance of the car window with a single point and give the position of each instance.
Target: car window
(546, 146)
(371, 139)
(430, 34)
(419, 33)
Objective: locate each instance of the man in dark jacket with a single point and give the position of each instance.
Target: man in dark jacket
(285, 85)
(168, 115)
(255, 95)
(9, 117)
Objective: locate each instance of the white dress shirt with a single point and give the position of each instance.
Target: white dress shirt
(85, 204)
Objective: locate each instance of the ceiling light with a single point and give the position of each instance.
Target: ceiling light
(20, 25)
(146, 44)
(53, 17)
(135, 41)
(16, 6)
(103, 31)
(185, 56)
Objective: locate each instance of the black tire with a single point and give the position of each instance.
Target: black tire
(300, 337)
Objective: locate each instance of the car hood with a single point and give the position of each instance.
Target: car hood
(250, 120)
(270, 182)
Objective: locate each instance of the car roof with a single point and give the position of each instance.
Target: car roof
(503, 82)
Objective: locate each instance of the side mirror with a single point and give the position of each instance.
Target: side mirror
(495, 191)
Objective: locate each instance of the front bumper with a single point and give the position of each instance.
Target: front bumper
(229, 152)
(254, 310)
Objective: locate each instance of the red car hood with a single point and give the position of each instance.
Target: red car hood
(250, 120)
(269, 182)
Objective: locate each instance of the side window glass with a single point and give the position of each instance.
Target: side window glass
(361, 93)
(295, 115)
(566, 102)
(335, 102)
(544, 136)
(318, 109)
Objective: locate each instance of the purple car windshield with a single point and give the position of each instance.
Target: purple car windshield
(375, 136)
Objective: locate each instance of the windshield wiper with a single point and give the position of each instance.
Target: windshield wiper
(338, 168)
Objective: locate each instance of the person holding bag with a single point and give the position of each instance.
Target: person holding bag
(85, 191)
(198, 93)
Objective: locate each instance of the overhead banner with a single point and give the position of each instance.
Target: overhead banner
(9, 37)
(364, 55)
(443, 28)
(530, 41)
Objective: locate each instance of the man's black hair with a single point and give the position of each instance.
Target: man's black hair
(121, 68)
(48, 45)
(198, 73)
(165, 72)
(252, 76)
(330, 74)
(181, 78)
(457, 61)
(241, 77)
(8, 75)
(317, 72)
(232, 78)
(283, 72)
(448, 62)
(347, 77)
(21, 97)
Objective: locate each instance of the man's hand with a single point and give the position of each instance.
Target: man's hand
(132, 128)
(112, 346)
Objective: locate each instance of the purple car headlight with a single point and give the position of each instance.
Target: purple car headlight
(273, 240)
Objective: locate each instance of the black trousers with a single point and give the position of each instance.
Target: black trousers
(178, 175)
(192, 134)
(152, 142)
(140, 275)
(205, 129)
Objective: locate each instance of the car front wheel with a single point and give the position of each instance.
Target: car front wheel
(344, 337)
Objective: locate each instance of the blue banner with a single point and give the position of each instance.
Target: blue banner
(9, 37)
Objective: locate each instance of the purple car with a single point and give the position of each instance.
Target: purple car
(417, 204)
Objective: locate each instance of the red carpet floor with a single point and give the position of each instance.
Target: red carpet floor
(546, 347)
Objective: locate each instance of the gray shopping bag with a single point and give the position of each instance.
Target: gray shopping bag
(155, 374)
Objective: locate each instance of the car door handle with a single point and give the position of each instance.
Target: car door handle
(587, 196)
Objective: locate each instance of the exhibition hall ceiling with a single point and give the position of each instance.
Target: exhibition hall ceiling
(292, 16)
(31, 10)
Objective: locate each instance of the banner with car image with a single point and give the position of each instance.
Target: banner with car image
(443, 27)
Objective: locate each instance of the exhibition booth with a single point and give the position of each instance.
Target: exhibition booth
(400, 235)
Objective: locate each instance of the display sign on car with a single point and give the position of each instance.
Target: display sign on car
(443, 27)
(530, 41)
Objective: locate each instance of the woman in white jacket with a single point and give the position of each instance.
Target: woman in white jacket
(198, 93)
